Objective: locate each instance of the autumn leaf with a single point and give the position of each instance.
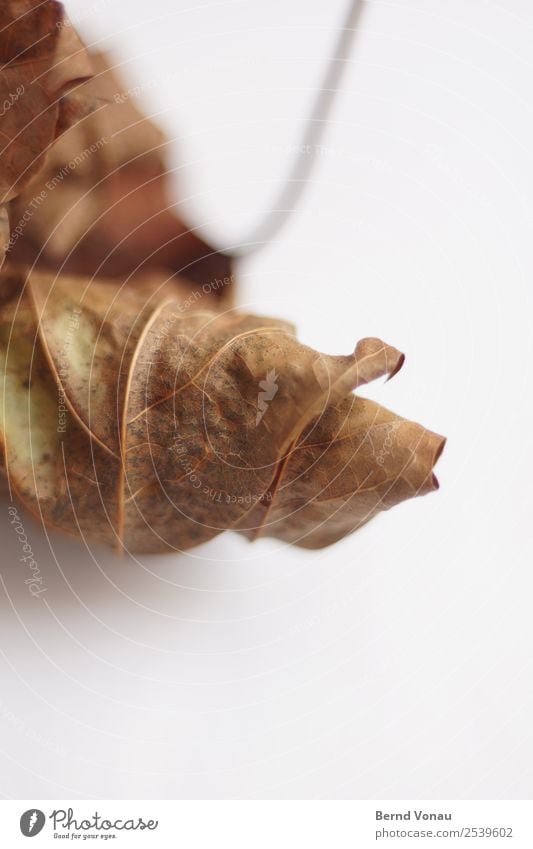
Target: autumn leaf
(42, 65)
(105, 208)
(137, 408)
(133, 420)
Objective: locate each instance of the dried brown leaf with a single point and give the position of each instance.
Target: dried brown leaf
(42, 62)
(129, 415)
(150, 426)
(104, 205)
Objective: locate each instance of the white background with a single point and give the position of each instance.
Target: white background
(397, 663)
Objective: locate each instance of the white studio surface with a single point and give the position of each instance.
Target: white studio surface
(396, 664)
